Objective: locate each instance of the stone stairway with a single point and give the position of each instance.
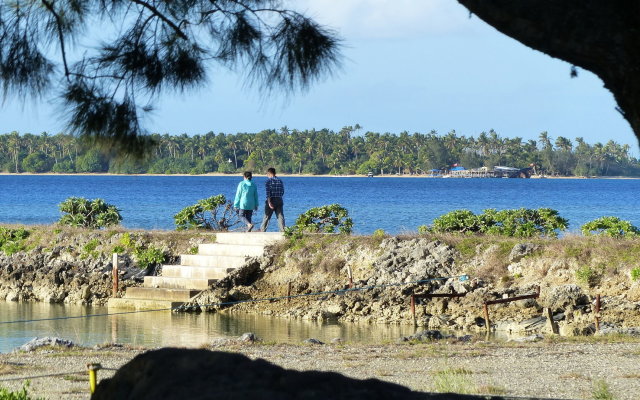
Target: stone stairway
(179, 283)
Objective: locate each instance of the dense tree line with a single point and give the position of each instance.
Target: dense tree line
(348, 151)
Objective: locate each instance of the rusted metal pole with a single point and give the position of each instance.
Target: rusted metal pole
(487, 323)
(597, 312)
(289, 293)
(114, 271)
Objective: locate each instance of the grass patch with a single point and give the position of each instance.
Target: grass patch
(491, 389)
(601, 391)
(453, 380)
(10, 368)
(589, 275)
(21, 394)
(76, 378)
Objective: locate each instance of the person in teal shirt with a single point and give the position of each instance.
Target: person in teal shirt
(246, 201)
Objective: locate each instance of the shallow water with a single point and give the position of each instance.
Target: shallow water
(163, 328)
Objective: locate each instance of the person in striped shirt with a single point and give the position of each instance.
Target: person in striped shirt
(274, 193)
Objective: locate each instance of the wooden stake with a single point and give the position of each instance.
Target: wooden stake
(115, 274)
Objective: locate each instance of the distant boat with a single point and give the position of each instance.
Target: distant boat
(370, 174)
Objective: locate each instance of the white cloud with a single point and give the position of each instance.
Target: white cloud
(387, 18)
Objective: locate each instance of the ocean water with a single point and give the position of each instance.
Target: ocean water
(394, 204)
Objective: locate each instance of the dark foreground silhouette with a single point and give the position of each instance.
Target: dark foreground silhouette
(188, 374)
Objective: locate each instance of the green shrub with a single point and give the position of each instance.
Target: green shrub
(149, 256)
(601, 390)
(635, 274)
(12, 240)
(91, 245)
(145, 255)
(95, 214)
(89, 249)
(523, 222)
(214, 213)
(378, 234)
(520, 222)
(458, 221)
(423, 230)
(610, 226)
(326, 219)
(588, 275)
(22, 394)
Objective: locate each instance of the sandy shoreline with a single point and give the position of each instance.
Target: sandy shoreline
(239, 174)
(545, 369)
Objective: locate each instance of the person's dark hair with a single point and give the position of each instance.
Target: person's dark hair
(271, 171)
(248, 175)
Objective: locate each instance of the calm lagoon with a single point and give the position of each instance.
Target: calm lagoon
(393, 204)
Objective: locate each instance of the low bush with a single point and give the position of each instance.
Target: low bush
(589, 275)
(21, 394)
(326, 219)
(12, 240)
(213, 213)
(610, 226)
(94, 214)
(145, 255)
(520, 222)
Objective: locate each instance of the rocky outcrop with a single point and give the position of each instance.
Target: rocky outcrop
(48, 341)
(392, 271)
(75, 267)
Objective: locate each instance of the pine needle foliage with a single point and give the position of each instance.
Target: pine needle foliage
(107, 61)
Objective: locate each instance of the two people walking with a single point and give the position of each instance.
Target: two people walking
(246, 200)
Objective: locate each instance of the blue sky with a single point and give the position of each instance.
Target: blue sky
(412, 65)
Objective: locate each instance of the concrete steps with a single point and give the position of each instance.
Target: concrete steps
(171, 282)
(257, 238)
(142, 304)
(235, 250)
(193, 272)
(153, 293)
(197, 260)
(196, 272)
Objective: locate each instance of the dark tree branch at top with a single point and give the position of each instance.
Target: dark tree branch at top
(160, 46)
(597, 35)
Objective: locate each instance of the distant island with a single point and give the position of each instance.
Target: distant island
(322, 152)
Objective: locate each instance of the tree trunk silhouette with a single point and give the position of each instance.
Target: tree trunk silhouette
(600, 36)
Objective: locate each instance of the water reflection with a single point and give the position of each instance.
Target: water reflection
(169, 329)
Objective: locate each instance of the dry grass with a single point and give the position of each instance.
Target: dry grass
(10, 368)
(92, 243)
